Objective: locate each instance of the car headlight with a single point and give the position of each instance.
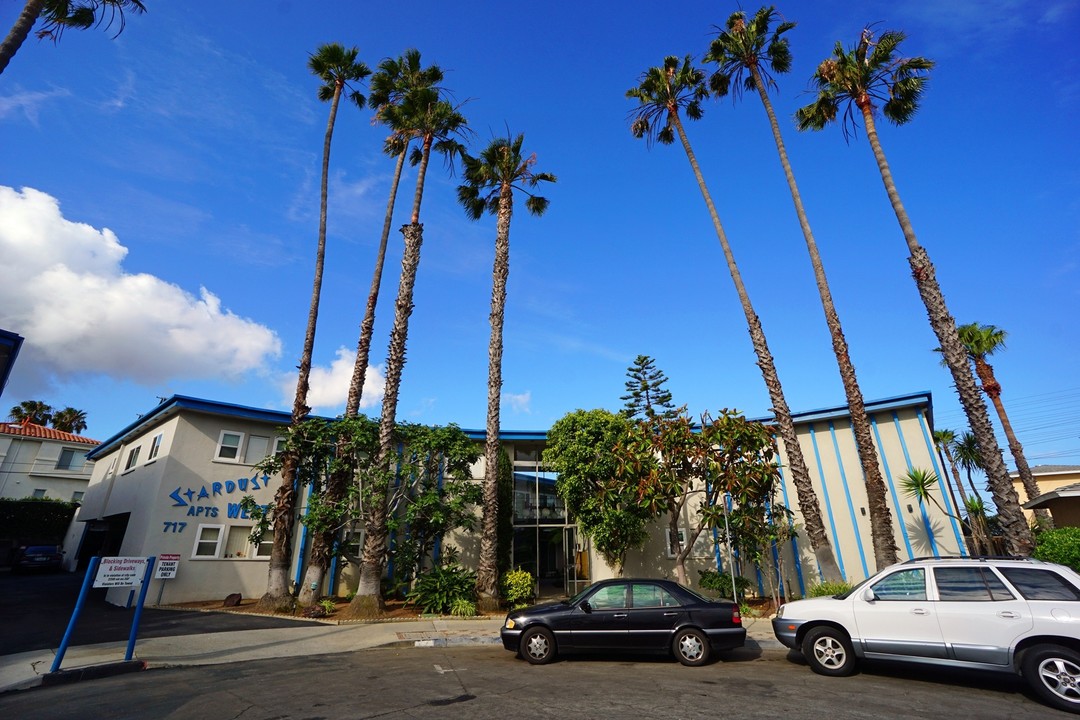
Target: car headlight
(510, 624)
(780, 611)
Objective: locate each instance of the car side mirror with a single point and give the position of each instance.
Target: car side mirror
(868, 595)
(585, 606)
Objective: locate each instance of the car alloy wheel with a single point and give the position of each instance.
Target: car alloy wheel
(1053, 672)
(691, 647)
(828, 652)
(537, 646)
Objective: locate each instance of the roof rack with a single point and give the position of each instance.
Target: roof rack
(983, 558)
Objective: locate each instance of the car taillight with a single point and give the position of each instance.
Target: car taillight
(735, 616)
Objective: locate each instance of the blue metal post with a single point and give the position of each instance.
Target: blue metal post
(87, 582)
(139, 606)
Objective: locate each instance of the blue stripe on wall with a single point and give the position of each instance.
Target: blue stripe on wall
(892, 487)
(850, 503)
(794, 538)
(922, 508)
(931, 449)
(828, 503)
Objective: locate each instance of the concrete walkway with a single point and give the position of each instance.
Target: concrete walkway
(31, 669)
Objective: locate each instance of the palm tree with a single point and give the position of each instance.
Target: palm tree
(32, 411)
(968, 457)
(490, 182)
(61, 14)
(422, 114)
(945, 440)
(69, 420)
(744, 53)
(337, 68)
(866, 77)
(982, 341)
(662, 93)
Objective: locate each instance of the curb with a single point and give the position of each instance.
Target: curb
(92, 672)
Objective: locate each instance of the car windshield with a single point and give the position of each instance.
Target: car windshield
(848, 593)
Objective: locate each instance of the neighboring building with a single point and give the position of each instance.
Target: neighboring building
(172, 481)
(1059, 492)
(40, 462)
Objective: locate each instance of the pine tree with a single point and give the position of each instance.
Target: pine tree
(646, 396)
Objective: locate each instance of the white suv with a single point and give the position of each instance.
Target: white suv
(1005, 614)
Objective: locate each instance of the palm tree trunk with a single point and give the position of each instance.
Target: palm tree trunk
(367, 326)
(1018, 538)
(285, 498)
(487, 574)
(369, 599)
(992, 388)
(800, 476)
(945, 455)
(20, 31)
(881, 522)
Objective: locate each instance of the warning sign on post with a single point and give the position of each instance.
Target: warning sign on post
(166, 566)
(120, 571)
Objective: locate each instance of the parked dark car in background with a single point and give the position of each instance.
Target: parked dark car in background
(628, 616)
(37, 557)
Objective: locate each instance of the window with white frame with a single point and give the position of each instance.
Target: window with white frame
(266, 545)
(257, 447)
(228, 448)
(208, 541)
(155, 447)
(77, 496)
(238, 544)
(133, 457)
(279, 445)
(38, 493)
(69, 459)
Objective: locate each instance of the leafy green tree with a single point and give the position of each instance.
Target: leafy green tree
(69, 420)
(745, 52)
(865, 79)
(390, 84)
(982, 341)
(32, 411)
(435, 124)
(1060, 546)
(581, 449)
(490, 182)
(662, 94)
(645, 391)
(59, 15)
(337, 68)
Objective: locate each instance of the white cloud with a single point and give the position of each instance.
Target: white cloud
(519, 403)
(28, 102)
(329, 386)
(64, 289)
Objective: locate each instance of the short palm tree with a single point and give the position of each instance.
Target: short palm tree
(872, 77)
(338, 68)
(745, 51)
(969, 458)
(69, 420)
(61, 14)
(435, 124)
(490, 182)
(663, 93)
(982, 341)
(32, 411)
(945, 440)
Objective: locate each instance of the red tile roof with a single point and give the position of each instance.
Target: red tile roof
(41, 432)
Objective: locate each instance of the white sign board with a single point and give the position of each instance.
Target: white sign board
(120, 571)
(166, 566)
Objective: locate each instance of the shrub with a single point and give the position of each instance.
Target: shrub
(828, 589)
(328, 605)
(720, 582)
(463, 607)
(1060, 546)
(517, 588)
(438, 588)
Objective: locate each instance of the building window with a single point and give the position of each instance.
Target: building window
(208, 541)
(228, 448)
(279, 445)
(38, 493)
(133, 457)
(68, 460)
(266, 545)
(238, 543)
(155, 446)
(77, 496)
(257, 447)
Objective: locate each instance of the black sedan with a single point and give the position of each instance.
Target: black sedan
(37, 557)
(628, 615)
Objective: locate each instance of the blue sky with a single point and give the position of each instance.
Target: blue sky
(159, 213)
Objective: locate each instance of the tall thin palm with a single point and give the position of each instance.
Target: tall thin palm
(61, 14)
(69, 420)
(338, 69)
(869, 77)
(745, 52)
(969, 458)
(435, 124)
(945, 439)
(982, 341)
(490, 182)
(662, 94)
(32, 411)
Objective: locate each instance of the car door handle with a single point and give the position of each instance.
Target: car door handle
(920, 611)
(1008, 614)
(670, 614)
(619, 615)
